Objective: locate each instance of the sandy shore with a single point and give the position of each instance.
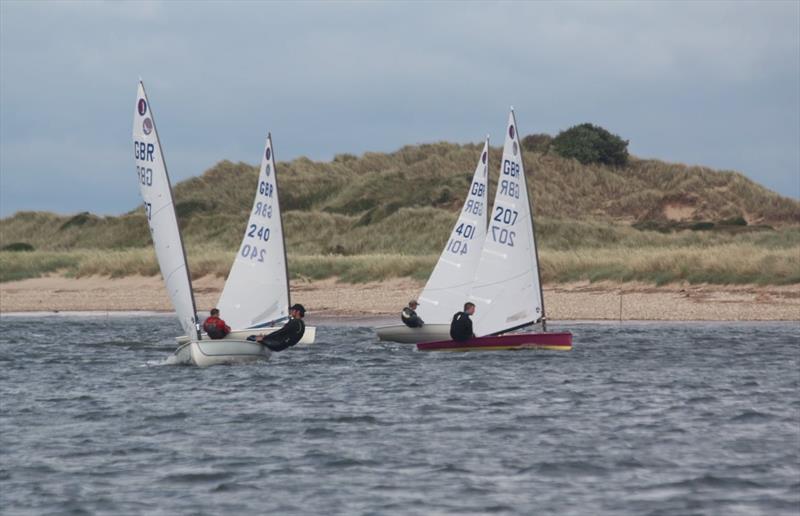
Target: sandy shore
(578, 301)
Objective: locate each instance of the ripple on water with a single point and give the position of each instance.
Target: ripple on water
(637, 419)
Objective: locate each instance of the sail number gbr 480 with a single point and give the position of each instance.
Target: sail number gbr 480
(144, 152)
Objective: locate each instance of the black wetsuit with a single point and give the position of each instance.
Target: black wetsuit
(411, 319)
(461, 327)
(286, 337)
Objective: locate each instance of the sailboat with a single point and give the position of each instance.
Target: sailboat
(255, 298)
(159, 207)
(451, 280)
(507, 288)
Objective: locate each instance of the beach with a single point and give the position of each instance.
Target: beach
(575, 301)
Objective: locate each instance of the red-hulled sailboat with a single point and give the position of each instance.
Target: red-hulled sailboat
(507, 289)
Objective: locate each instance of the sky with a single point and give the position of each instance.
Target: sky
(707, 83)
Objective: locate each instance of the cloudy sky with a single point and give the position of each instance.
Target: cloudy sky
(714, 83)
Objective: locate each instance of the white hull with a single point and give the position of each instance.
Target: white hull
(309, 336)
(207, 353)
(403, 334)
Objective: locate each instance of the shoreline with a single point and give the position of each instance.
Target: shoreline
(382, 301)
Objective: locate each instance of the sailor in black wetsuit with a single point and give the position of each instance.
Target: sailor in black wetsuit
(461, 327)
(289, 335)
(410, 317)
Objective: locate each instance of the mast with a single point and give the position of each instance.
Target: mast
(172, 201)
(533, 223)
(283, 232)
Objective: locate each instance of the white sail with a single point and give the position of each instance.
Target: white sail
(257, 289)
(159, 207)
(506, 290)
(449, 284)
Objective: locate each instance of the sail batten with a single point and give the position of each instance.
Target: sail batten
(507, 276)
(449, 284)
(156, 191)
(257, 289)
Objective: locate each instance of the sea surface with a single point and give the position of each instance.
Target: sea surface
(690, 418)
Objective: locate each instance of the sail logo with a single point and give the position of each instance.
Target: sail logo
(483, 158)
(268, 153)
(147, 126)
(511, 131)
(142, 107)
(514, 148)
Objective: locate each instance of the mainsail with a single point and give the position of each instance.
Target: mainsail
(449, 284)
(159, 207)
(257, 290)
(507, 289)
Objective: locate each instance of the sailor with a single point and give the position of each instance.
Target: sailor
(289, 335)
(216, 327)
(461, 327)
(410, 317)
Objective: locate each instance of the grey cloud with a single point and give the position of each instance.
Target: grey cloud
(711, 83)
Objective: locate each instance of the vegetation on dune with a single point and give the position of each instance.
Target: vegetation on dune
(384, 215)
(766, 258)
(591, 144)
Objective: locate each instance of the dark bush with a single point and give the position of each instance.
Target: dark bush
(702, 226)
(186, 208)
(537, 143)
(591, 144)
(734, 221)
(78, 220)
(19, 247)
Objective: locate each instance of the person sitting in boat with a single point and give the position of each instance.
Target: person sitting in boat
(216, 327)
(289, 335)
(410, 317)
(461, 327)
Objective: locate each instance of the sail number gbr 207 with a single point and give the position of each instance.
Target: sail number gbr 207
(503, 219)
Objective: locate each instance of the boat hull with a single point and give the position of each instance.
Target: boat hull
(309, 336)
(206, 353)
(405, 335)
(548, 341)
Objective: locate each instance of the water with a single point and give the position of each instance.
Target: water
(637, 419)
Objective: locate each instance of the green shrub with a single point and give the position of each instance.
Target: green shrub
(734, 221)
(537, 143)
(591, 144)
(18, 246)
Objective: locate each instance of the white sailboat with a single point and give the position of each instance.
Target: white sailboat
(256, 296)
(159, 206)
(450, 282)
(507, 289)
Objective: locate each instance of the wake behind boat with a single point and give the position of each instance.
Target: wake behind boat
(507, 289)
(256, 296)
(451, 280)
(159, 207)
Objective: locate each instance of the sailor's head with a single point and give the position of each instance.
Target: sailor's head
(412, 304)
(298, 311)
(469, 308)
(214, 312)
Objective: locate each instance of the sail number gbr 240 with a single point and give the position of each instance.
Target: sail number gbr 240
(252, 251)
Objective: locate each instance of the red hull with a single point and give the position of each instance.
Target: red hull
(551, 341)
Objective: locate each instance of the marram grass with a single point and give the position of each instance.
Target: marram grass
(747, 262)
